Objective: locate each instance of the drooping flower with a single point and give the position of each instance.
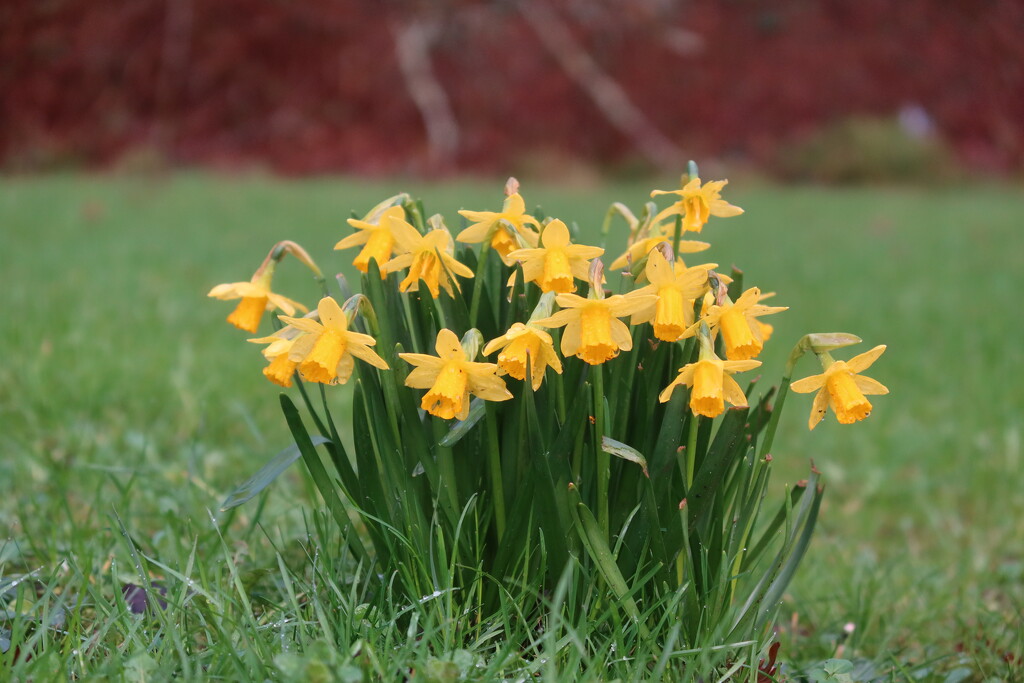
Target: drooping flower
(450, 377)
(710, 378)
(697, 203)
(325, 352)
(743, 336)
(843, 388)
(555, 263)
(593, 331)
(377, 233)
(428, 257)
(672, 313)
(256, 298)
(502, 226)
(522, 341)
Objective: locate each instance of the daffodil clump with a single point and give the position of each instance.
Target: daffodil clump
(512, 402)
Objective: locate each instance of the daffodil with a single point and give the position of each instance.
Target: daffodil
(593, 331)
(672, 312)
(256, 298)
(524, 341)
(450, 377)
(743, 336)
(697, 203)
(712, 384)
(842, 387)
(502, 226)
(377, 233)
(428, 257)
(642, 247)
(555, 263)
(281, 367)
(325, 352)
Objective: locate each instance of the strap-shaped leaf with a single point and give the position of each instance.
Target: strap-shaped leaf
(477, 410)
(621, 450)
(597, 547)
(266, 475)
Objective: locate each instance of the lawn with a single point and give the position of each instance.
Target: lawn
(129, 409)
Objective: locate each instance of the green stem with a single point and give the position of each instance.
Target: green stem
(773, 421)
(691, 451)
(494, 458)
(478, 286)
(603, 458)
(446, 467)
(677, 235)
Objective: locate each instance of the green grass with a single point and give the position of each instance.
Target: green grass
(125, 396)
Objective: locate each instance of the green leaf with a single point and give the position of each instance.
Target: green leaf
(266, 474)
(837, 670)
(621, 450)
(477, 409)
(320, 477)
(597, 547)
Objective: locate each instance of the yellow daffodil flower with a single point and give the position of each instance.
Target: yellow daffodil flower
(593, 331)
(325, 353)
(256, 298)
(428, 257)
(643, 247)
(554, 264)
(450, 377)
(697, 204)
(743, 336)
(522, 341)
(502, 226)
(672, 313)
(841, 387)
(281, 366)
(712, 384)
(378, 236)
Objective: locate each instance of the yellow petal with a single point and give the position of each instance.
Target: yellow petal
(422, 377)
(227, 291)
(304, 324)
(808, 384)
(285, 304)
(447, 345)
(863, 361)
(344, 369)
(723, 209)
(621, 335)
(331, 315)
(475, 233)
(555, 235)
(352, 240)
(869, 386)
(422, 360)
(818, 408)
(732, 366)
(733, 392)
(571, 337)
(365, 353)
(666, 393)
(659, 272)
(301, 348)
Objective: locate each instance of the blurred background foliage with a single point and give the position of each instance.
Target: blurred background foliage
(830, 91)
